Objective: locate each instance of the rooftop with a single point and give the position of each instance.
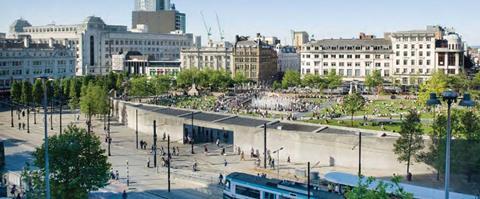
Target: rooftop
(352, 42)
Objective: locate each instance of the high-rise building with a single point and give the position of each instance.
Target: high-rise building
(157, 16)
(152, 5)
(95, 42)
(300, 38)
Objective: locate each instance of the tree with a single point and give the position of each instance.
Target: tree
(363, 190)
(374, 80)
(37, 92)
(352, 103)
(27, 97)
(314, 81)
(291, 79)
(16, 92)
(459, 82)
(436, 148)
(93, 101)
(467, 145)
(219, 79)
(333, 80)
(77, 166)
(74, 94)
(240, 78)
(436, 84)
(185, 78)
(141, 86)
(161, 84)
(65, 88)
(410, 142)
(276, 85)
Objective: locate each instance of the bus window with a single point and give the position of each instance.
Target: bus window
(227, 185)
(245, 191)
(267, 195)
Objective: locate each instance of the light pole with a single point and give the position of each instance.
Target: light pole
(11, 113)
(278, 160)
(449, 97)
(51, 114)
(308, 180)
(47, 171)
(193, 134)
(136, 126)
(108, 129)
(61, 104)
(169, 160)
(154, 143)
(128, 176)
(264, 146)
(359, 153)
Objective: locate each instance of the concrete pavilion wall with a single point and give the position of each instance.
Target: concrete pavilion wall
(377, 152)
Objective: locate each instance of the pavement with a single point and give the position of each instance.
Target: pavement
(152, 182)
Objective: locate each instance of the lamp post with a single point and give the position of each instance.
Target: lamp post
(278, 160)
(128, 176)
(45, 122)
(61, 104)
(359, 144)
(154, 143)
(193, 134)
(11, 113)
(108, 130)
(449, 97)
(136, 126)
(264, 146)
(169, 160)
(308, 180)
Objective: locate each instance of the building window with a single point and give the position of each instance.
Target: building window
(92, 50)
(357, 72)
(349, 72)
(357, 56)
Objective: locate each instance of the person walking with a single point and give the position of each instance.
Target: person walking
(225, 163)
(223, 151)
(117, 175)
(148, 162)
(124, 194)
(220, 179)
(218, 142)
(242, 156)
(145, 145)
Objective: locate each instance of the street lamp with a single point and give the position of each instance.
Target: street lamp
(47, 172)
(278, 160)
(449, 97)
(193, 134)
(359, 153)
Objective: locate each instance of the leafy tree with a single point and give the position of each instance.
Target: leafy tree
(185, 78)
(314, 81)
(467, 145)
(161, 84)
(27, 97)
(475, 81)
(240, 78)
(219, 79)
(363, 190)
(291, 78)
(65, 87)
(410, 142)
(436, 84)
(93, 101)
(374, 80)
(74, 94)
(141, 86)
(37, 92)
(352, 103)
(16, 91)
(459, 82)
(333, 80)
(436, 149)
(77, 166)
(276, 85)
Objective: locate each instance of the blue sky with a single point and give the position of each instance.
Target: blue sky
(322, 18)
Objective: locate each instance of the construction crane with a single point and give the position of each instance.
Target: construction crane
(208, 29)
(222, 33)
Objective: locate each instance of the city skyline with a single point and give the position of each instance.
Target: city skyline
(322, 19)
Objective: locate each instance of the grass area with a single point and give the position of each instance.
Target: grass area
(387, 126)
(191, 102)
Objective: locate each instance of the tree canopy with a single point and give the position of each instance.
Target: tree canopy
(374, 80)
(77, 166)
(291, 79)
(352, 103)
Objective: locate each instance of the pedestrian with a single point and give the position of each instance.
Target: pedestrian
(141, 144)
(223, 151)
(152, 148)
(112, 175)
(19, 196)
(164, 137)
(288, 159)
(14, 189)
(205, 149)
(124, 194)
(220, 179)
(218, 142)
(117, 175)
(19, 126)
(225, 162)
(23, 125)
(148, 162)
(178, 151)
(174, 152)
(273, 164)
(145, 145)
(242, 156)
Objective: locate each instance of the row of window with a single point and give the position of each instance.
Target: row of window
(36, 63)
(346, 72)
(413, 39)
(34, 54)
(348, 56)
(348, 64)
(347, 48)
(413, 62)
(412, 53)
(52, 29)
(34, 71)
(149, 42)
(412, 46)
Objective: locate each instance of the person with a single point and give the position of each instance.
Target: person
(19, 196)
(124, 195)
(148, 162)
(223, 151)
(164, 136)
(23, 125)
(205, 149)
(242, 156)
(19, 126)
(117, 175)
(220, 179)
(273, 164)
(225, 162)
(218, 142)
(112, 175)
(14, 189)
(174, 152)
(144, 145)
(288, 159)
(194, 167)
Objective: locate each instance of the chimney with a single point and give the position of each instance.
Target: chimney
(26, 42)
(50, 43)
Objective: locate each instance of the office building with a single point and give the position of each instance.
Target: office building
(419, 53)
(22, 60)
(300, 38)
(288, 58)
(95, 42)
(217, 56)
(255, 59)
(403, 57)
(158, 16)
(353, 59)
